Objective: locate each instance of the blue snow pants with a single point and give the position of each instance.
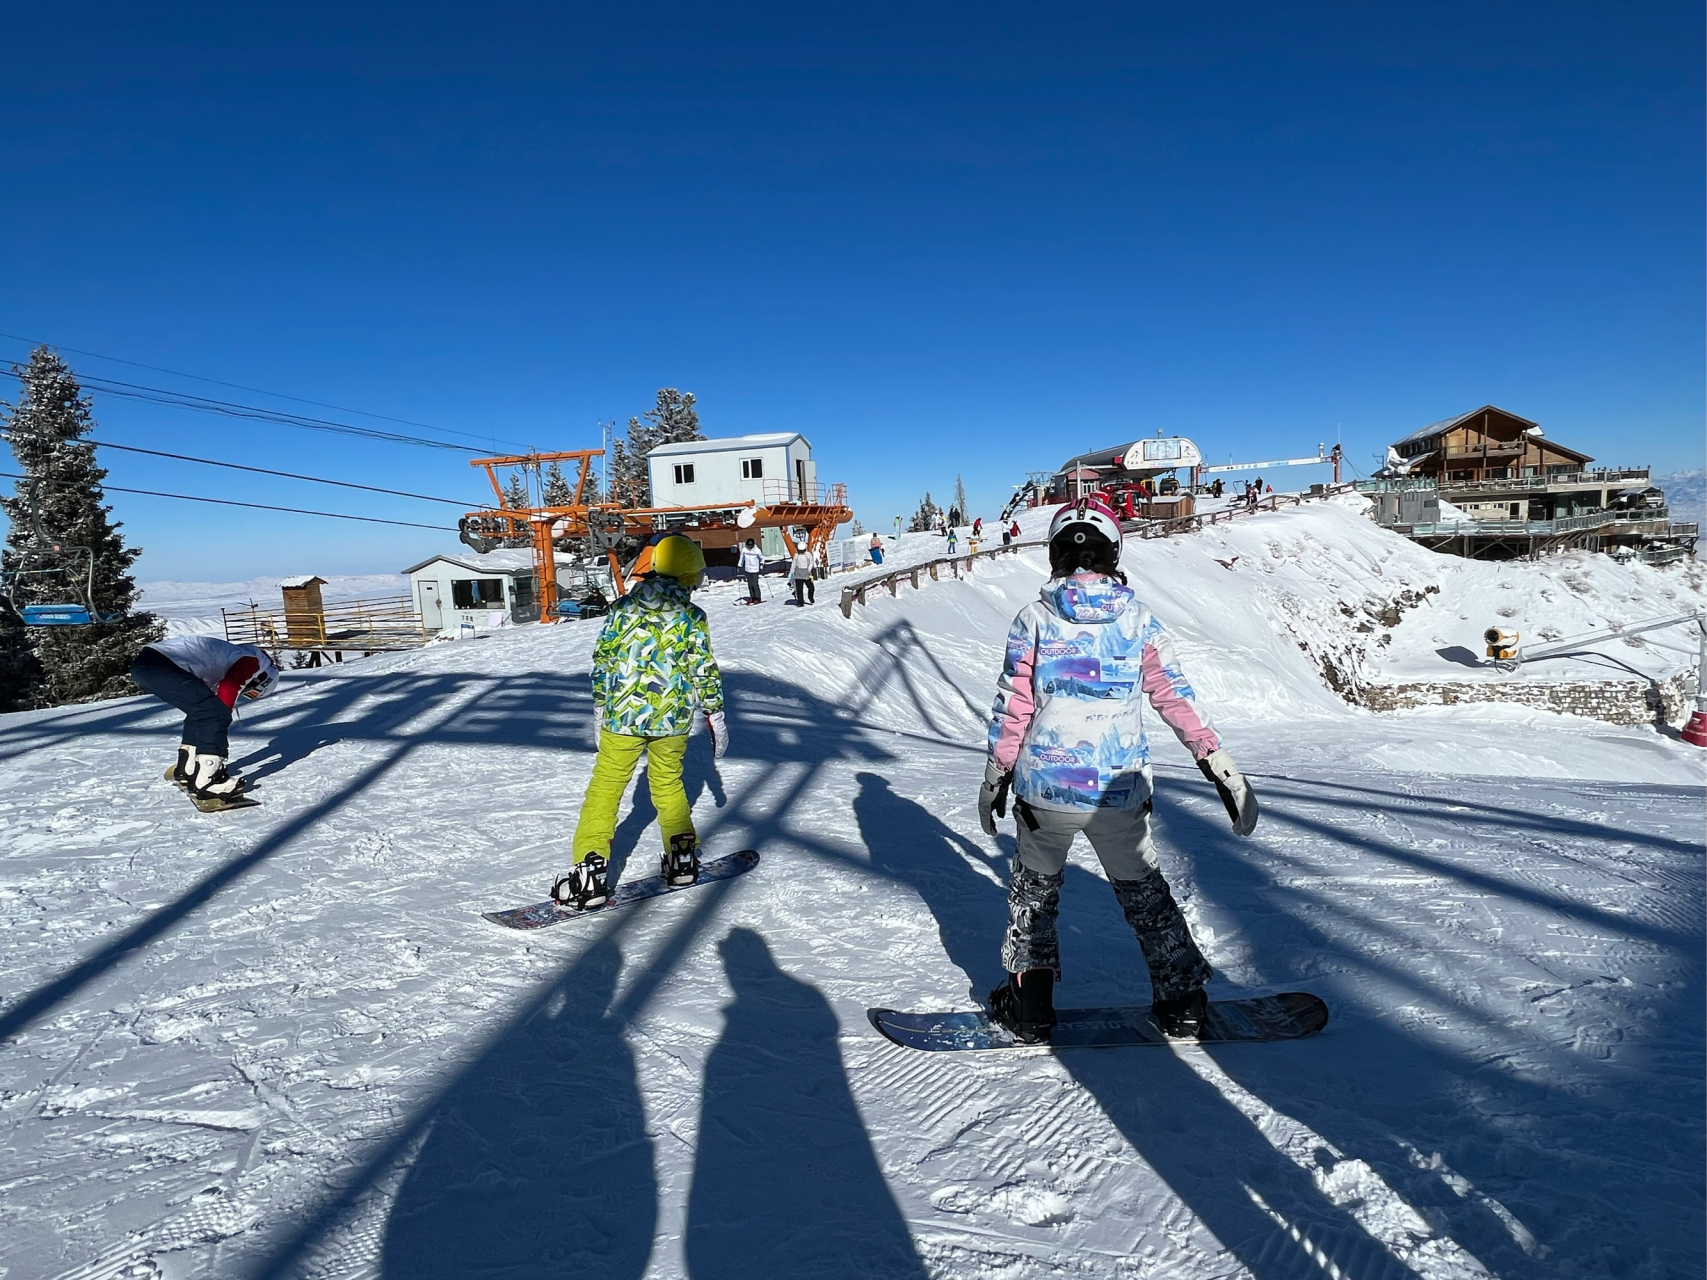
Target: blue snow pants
(206, 719)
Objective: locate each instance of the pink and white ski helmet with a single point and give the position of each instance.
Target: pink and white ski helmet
(1090, 511)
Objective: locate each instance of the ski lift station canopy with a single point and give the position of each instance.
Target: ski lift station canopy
(1138, 460)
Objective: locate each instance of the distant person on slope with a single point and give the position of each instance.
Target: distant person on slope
(653, 670)
(203, 677)
(1067, 734)
(876, 549)
(752, 564)
(800, 571)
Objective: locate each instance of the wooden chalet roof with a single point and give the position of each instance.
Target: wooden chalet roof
(1447, 424)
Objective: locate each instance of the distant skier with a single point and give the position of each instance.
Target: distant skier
(204, 677)
(953, 539)
(800, 572)
(876, 549)
(978, 527)
(752, 562)
(653, 669)
(1067, 734)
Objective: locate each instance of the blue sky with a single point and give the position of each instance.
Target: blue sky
(937, 239)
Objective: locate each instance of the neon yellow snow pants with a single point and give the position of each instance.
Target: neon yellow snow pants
(619, 754)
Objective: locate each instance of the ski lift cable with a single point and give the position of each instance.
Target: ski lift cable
(288, 475)
(262, 391)
(232, 502)
(204, 404)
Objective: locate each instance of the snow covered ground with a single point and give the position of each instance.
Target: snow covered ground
(282, 1042)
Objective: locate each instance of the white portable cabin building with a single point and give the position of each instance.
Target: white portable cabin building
(470, 589)
(773, 467)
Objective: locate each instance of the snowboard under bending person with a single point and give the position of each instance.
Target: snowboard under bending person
(653, 671)
(1067, 735)
(204, 677)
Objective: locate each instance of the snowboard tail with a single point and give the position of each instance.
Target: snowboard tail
(541, 914)
(1292, 1015)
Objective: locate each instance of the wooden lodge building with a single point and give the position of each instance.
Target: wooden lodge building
(1522, 494)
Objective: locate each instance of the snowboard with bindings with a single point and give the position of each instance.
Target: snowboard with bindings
(1291, 1015)
(546, 913)
(211, 804)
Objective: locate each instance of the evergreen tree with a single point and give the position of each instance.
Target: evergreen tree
(959, 501)
(925, 518)
(61, 500)
(555, 490)
(516, 498)
(671, 420)
(628, 483)
(858, 530)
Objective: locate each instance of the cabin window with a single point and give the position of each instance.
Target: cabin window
(1461, 475)
(1532, 471)
(684, 473)
(524, 592)
(477, 593)
(752, 468)
(1559, 468)
(1498, 473)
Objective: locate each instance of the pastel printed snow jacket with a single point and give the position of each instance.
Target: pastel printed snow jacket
(653, 666)
(1068, 719)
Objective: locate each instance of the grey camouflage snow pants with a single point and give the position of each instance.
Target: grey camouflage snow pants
(1121, 838)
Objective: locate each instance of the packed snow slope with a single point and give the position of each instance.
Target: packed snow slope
(282, 1042)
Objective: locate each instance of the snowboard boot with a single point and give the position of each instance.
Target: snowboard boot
(587, 887)
(211, 787)
(1182, 1018)
(1025, 1005)
(178, 772)
(681, 860)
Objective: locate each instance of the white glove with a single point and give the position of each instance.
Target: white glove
(719, 733)
(1236, 793)
(993, 797)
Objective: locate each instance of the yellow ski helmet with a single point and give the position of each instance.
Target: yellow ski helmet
(679, 558)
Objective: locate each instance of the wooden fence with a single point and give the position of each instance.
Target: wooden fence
(365, 626)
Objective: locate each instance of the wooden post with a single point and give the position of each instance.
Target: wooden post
(933, 566)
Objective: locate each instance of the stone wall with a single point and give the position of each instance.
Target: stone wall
(1615, 701)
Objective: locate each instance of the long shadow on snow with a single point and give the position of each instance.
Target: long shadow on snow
(1369, 1089)
(543, 709)
(1195, 1140)
(537, 1161)
(785, 1181)
(771, 721)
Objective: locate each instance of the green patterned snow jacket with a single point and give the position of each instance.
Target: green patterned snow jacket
(652, 666)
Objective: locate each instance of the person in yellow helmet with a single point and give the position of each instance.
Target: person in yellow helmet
(653, 672)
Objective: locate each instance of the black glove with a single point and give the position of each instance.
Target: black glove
(993, 797)
(1236, 793)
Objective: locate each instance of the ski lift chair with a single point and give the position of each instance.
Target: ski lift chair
(34, 561)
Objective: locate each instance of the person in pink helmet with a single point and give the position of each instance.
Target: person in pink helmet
(1067, 742)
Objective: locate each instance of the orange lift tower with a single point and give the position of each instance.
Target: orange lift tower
(714, 527)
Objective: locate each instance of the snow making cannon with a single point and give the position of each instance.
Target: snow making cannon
(1502, 645)
(1508, 654)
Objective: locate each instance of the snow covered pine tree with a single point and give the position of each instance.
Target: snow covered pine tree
(60, 493)
(669, 421)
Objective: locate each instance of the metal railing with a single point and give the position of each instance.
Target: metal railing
(855, 592)
(1535, 528)
(1516, 484)
(370, 626)
(785, 492)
